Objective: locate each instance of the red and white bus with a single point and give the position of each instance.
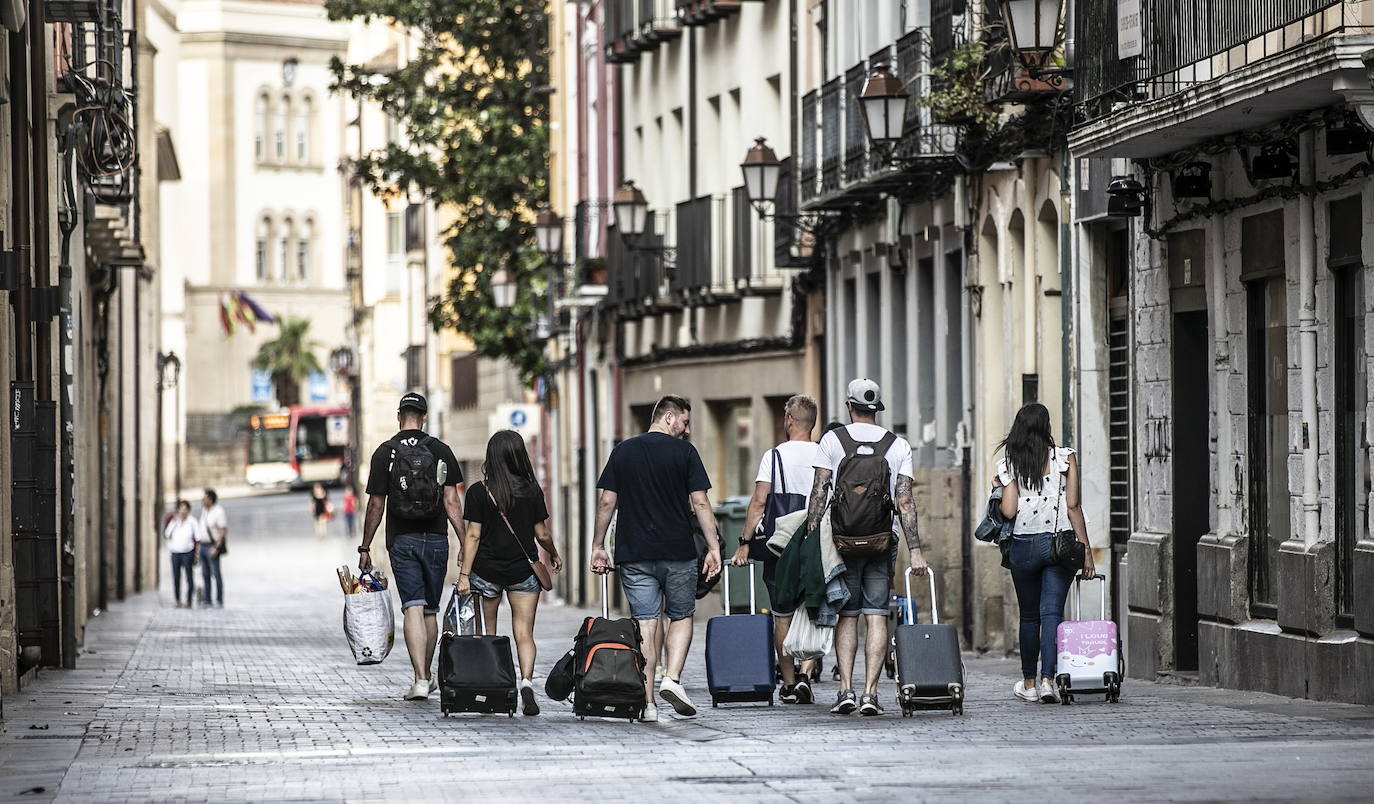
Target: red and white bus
(302, 445)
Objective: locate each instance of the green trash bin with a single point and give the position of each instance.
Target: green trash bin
(730, 515)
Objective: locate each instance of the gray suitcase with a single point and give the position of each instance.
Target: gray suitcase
(930, 668)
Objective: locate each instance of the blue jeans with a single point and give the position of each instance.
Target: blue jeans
(209, 570)
(419, 561)
(1042, 587)
(660, 585)
(184, 564)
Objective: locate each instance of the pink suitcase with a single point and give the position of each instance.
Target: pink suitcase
(1089, 653)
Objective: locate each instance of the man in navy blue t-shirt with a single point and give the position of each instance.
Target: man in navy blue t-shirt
(656, 482)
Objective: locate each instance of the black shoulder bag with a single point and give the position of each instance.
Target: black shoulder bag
(1065, 548)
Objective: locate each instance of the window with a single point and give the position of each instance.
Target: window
(260, 111)
(283, 119)
(303, 120)
(284, 251)
(463, 381)
(303, 251)
(395, 251)
(1350, 369)
(260, 257)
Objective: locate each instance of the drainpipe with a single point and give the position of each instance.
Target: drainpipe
(1221, 346)
(1307, 341)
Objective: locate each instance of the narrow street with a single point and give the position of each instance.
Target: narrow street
(260, 701)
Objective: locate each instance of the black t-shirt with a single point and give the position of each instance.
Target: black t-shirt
(379, 478)
(499, 558)
(653, 476)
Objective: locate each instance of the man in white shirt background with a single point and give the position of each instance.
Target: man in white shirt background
(869, 579)
(215, 526)
(787, 469)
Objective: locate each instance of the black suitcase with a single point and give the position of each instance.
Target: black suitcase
(741, 662)
(930, 669)
(476, 673)
(616, 645)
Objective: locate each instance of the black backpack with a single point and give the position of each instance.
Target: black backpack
(861, 508)
(608, 669)
(414, 491)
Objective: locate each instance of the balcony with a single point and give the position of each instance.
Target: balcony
(834, 135)
(705, 12)
(632, 27)
(1219, 66)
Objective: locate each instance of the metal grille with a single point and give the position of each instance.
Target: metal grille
(830, 136)
(855, 139)
(1119, 427)
(807, 176)
(1175, 34)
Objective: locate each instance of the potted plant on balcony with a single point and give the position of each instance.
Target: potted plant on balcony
(957, 96)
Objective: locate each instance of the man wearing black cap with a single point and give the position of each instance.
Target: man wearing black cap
(868, 575)
(414, 481)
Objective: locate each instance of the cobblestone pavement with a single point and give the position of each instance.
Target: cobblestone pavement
(260, 701)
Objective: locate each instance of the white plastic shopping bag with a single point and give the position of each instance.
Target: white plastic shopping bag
(369, 625)
(806, 640)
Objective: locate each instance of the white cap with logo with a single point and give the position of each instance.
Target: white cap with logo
(864, 394)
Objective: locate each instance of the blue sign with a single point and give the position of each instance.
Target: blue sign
(518, 419)
(319, 386)
(262, 385)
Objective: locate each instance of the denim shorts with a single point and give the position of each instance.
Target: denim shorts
(419, 562)
(870, 583)
(485, 588)
(659, 585)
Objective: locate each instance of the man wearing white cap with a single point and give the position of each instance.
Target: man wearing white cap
(846, 456)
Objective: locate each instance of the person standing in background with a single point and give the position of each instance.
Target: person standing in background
(319, 506)
(215, 526)
(182, 533)
(350, 506)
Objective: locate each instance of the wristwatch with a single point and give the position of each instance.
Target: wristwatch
(364, 550)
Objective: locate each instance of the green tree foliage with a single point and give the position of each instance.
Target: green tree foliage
(473, 108)
(289, 358)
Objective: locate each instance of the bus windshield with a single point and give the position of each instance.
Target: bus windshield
(313, 439)
(269, 445)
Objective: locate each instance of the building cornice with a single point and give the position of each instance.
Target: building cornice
(264, 40)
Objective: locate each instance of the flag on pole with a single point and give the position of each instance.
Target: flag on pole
(225, 321)
(240, 313)
(256, 309)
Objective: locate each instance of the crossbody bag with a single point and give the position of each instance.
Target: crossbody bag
(541, 572)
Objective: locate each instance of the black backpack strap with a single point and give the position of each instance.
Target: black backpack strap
(882, 445)
(846, 440)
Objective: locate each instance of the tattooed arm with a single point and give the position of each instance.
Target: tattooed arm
(820, 491)
(906, 515)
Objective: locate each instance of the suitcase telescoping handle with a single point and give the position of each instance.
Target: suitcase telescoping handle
(606, 595)
(725, 587)
(934, 606)
(1078, 596)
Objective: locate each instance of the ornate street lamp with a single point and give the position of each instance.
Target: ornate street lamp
(502, 288)
(1033, 30)
(761, 170)
(631, 211)
(548, 231)
(884, 102)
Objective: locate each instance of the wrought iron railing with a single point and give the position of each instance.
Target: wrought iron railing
(855, 138)
(831, 137)
(1175, 36)
(806, 177)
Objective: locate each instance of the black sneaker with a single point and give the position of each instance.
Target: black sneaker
(802, 690)
(529, 706)
(788, 694)
(845, 703)
(869, 706)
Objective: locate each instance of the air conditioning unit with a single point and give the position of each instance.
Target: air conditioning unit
(72, 11)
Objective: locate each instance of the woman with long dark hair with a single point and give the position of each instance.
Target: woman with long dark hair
(506, 518)
(1043, 493)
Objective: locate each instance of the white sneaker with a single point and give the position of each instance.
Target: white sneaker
(672, 692)
(419, 691)
(1048, 694)
(650, 713)
(1028, 695)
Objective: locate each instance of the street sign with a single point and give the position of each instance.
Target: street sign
(319, 386)
(262, 385)
(524, 419)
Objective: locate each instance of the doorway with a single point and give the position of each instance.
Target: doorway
(1190, 481)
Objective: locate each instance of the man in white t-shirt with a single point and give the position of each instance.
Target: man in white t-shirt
(869, 578)
(785, 476)
(216, 525)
